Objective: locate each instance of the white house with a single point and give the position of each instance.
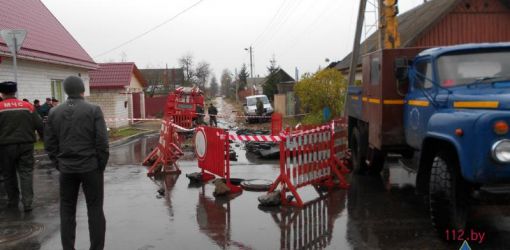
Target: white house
(118, 89)
(47, 56)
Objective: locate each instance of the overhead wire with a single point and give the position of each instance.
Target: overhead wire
(311, 25)
(150, 30)
(277, 21)
(281, 24)
(270, 22)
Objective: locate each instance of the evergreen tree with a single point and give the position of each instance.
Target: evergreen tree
(243, 77)
(269, 88)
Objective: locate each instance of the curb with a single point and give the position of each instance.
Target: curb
(128, 139)
(115, 143)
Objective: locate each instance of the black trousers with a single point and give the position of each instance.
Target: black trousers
(18, 160)
(212, 120)
(92, 184)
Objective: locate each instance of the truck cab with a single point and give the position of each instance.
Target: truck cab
(446, 111)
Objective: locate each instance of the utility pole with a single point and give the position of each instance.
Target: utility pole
(251, 68)
(14, 39)
(236, 83)
(356, 45)
(14, 61)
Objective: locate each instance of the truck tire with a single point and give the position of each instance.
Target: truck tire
(359, 165)
(448, 194)
(377, 163)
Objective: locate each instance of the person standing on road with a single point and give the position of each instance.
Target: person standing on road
(77, 143)
(260, 109)
(18, 122)
(199, 120)
(213, 112)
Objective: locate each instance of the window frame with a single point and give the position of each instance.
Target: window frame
(57, 89)
(430, 80)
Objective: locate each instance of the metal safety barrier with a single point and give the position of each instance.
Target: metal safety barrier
(212, 150)
(183, 120)
(164, 157)
(312, 157)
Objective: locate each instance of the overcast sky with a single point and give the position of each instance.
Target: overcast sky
(299, 33)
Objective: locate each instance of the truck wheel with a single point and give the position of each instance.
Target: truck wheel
(359, 165)
(377, 163)
(448, 194)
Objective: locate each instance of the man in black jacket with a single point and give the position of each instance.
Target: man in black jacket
(213, 112)
(18, 122)
(77, 143)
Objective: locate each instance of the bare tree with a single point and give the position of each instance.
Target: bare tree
(202, 73)
(186, 63)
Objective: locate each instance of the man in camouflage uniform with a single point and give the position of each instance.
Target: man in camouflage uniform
(18, 122)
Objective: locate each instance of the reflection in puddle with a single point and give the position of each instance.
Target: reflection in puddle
(133, 152)
(214, 219)
(310, 227)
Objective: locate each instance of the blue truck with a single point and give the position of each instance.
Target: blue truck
(446, 112)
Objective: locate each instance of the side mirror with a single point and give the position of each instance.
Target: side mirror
(401, 69)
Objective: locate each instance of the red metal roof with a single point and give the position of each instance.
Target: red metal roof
(47, 40)
(114, 75)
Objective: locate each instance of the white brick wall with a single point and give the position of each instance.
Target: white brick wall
(34, 78)
(112, 104)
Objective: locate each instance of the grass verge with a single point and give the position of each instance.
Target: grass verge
(115, 134)
(39, 145)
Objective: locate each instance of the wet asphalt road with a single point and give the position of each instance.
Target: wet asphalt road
(375, 213)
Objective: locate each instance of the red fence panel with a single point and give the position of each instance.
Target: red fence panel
(312, 157)
(210, 144)
(184, 120)
(164, 157)
(276, 123)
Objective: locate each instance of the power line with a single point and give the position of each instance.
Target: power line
(325, 13)
(283, 15)
(270, 22)
(281, 24)
(150, 30)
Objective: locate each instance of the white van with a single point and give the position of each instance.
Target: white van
(250, 107)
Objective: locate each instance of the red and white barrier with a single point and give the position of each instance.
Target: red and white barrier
(164, 157)
(258, 138)
(312, 157)
(112, 119)
(109, 119)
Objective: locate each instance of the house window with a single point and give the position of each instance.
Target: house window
(57, 90)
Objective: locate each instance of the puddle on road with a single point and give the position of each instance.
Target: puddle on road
(379, 212)
(343, 219)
